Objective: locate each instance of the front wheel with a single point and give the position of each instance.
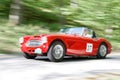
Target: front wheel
(56, 52)
(102, 51)
(26, 55)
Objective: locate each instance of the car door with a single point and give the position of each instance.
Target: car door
(89, 46)
(80, 45)
(83, 46)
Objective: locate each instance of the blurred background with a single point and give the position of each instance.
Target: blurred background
(30, 17)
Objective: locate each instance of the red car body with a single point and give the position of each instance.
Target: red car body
(74, 45)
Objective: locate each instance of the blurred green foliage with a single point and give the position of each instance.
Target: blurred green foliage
(4, 8)
(93, 13)
(55, 14)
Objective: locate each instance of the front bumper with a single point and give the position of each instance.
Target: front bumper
(40, 50)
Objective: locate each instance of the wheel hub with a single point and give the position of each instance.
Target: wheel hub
(58, 51)
(103, 50)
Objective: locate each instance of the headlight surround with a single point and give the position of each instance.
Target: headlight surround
(21, 40)
(43, 40)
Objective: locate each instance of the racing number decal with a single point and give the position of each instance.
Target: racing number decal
(89, 47)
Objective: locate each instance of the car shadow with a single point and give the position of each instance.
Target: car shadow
(43, 58)
(76, 59)
(68, 59)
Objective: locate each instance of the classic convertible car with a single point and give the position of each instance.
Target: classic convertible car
(79, 41)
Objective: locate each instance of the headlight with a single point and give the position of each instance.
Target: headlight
(43, 40)
(21, 40)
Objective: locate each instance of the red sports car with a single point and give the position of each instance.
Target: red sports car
(79, 41)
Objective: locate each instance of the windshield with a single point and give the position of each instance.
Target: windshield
(77, 31)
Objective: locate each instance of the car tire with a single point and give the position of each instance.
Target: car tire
(26, 55)
(56, 52)
(102, 51)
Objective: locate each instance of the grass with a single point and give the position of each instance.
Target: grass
(115, 45)
(9, 36)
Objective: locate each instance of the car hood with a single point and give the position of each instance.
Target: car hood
(49, 35)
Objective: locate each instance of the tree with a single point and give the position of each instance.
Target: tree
(61, 4)
(15, 12)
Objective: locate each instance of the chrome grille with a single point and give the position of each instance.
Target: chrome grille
(33, 43)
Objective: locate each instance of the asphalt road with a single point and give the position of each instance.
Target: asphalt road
(16, 67)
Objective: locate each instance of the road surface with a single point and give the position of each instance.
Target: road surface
(16, 67)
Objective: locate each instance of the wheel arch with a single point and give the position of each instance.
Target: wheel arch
(103, 42)
(59, 41)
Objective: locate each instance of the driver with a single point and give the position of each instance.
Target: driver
(85, 33)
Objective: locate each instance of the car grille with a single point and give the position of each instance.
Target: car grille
(33, 43)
